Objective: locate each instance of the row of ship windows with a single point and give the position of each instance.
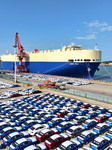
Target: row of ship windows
(72, 60)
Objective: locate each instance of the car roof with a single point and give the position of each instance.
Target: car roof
(99, 139)
(13, 134)
(21, 140)
(66, 143)
(31, 147)
(101, 124)
(55, 136)
(7, 128)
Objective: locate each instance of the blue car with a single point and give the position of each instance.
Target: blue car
(102, 110)
(91, 114)
(17, 116)
(74, 109)
(64, 126)
(22, 120)
(109, 121)
(22, 143)
(78, 103)
(101, 128)
(55, 121)
(19, 104)
(37, 147)
(86, 137)
(57, 101)
(70, 116)
(109, 113)
(69, 145)
(21, 107)
(29, 124)
(3, 125)
(43, 105)
(54, 110)
(83, 112)
(89, 124)
(61, 104)
(34, 111)
(36, 104)
(66, 100)
(45, 99)
(12, 137)
(6, 110)
(33, 101)
(4, 132)
(47, 118)
(109, 134)
(100, 143)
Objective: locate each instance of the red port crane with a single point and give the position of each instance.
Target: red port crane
(20, 55)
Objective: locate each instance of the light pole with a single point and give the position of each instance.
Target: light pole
(15, 61)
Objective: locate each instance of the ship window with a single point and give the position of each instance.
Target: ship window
(70, 60)
(87, 60)
(75, 60)
(81, 59)
(78, 60)
(93, 60)
(97, 59)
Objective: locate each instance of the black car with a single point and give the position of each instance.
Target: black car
(74, 131)
(79, 120)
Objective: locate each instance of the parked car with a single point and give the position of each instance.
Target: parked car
(74, 109)
(4, 132)
(86, 136)
(85, 105)
(101, 128)
(55, 121)
(94, 107)
(101, 118)
(74, 131)
(91, 114)
(37, 128)
(102, 110)
(62, 113)
(12, 137)
(109, 113)
(89, 124)
(109, 148)
(83, 112)
(79, 120)
(37, 147)
(28, 124)
(47, 118)
(109, 121)
(64, 126)
(23, 119)
(70, 116)
(69, 145)
(100, 143)
(55, 140)
(109, 134)
(22, 143)
(45, 134)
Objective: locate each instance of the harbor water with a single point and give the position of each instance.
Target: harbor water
(104, 74)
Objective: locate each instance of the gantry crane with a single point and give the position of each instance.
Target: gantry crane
(20, 55)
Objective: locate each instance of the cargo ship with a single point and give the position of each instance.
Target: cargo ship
(70, 61)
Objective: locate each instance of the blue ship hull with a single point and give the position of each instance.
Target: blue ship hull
(75, 69)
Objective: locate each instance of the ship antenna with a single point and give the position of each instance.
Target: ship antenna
(96, 46)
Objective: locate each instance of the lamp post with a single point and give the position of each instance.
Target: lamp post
(15, 61)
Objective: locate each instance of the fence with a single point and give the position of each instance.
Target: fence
(88, 95)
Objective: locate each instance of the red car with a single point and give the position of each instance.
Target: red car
(45, 134)
(101, 118)
(62, 113)
(15, 95)
(85, 105)
(56, 140)
(40, 97)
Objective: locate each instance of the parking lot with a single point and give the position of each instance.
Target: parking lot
(50, 101)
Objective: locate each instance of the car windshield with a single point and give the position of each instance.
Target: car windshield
(82, 135)
(110, 131)
(7, 137)
(60, 125)
(32, 128)
(62, 147)
(70, 130)
(15, 144)
(110, 120)
(98, 127)
(50, 140)
(96, 142)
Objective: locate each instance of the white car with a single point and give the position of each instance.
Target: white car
(37, 128)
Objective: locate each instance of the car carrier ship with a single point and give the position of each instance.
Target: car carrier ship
(70, 61)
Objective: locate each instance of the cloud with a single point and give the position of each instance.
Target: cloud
(108, 28)
(96, 24)
(88, 37)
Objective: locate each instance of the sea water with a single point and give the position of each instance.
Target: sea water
(104, 74)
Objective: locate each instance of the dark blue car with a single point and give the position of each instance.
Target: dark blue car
(12, 137)
(83, 112)
(101, 128)
(70, 116)
(55, 121)
(109, 113)
(89, 124)
(74, 109)
(109, 121)
(91, 114)
(64, 126)
(102, 110)
(22, 120)
(22, 143)
(100, 143)
(109, 134)
(47, 118)
(29, 124)
(86, 137)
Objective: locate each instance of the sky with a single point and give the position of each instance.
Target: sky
(51, 24)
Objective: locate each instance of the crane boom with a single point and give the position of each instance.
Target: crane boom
(20, 55)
